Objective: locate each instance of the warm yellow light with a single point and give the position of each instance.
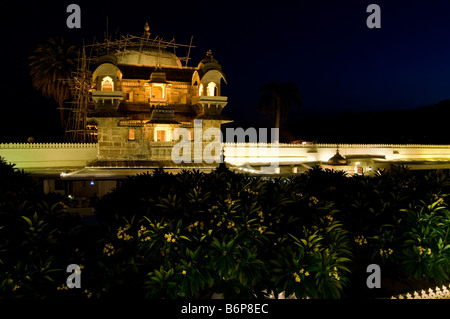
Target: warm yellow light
(162, 133)
(107, 84)
(158, 91)
(131, 135)
(211, 89)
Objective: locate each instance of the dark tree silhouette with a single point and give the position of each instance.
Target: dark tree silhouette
(51, 63)
(277, 99)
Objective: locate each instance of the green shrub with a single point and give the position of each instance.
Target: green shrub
(224, 233)
(193, 234)
(38, 238)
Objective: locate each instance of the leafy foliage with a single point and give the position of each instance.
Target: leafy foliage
(192, 234)
(38, 238)
(197, 234)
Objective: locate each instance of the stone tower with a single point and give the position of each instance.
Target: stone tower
(142, 95)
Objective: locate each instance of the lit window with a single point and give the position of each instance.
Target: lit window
(358, 169)
(157, 92)
(212, 89)
(107, 84)
(200, 89)
(131, 135)
(161, 135)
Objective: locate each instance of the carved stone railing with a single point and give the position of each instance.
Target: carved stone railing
(442, 292)
(340, 146)
(48, 145)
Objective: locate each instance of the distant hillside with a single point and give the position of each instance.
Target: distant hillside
(424, 125)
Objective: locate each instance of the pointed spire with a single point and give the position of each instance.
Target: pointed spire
(222, 166)
(146, 29)
(209, 57)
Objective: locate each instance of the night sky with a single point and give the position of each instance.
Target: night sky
(325, 47)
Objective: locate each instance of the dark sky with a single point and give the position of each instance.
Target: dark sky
(325, 47)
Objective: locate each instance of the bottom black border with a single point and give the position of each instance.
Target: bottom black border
(228, 308)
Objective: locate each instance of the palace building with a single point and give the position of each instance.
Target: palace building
(140, 95)
(132, 97)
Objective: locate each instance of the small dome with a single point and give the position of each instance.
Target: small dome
(209, 58)
(209, 63)
(149, 57)
(107, 58)
(158, 76)
(337, 159)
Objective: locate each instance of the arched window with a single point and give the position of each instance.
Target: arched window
(107, 84)
(212, 89)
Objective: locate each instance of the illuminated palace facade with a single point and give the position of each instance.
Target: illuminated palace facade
(141, 97)
(139, 93)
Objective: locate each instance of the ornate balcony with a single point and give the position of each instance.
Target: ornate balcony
(107, 98)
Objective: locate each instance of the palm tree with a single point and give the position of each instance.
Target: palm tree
(277, 99)
(51, 64)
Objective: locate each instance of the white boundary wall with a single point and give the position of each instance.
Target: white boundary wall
(240, 153)
(49, 155)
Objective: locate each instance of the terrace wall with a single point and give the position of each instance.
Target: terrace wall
(54, 155)
(48, 155)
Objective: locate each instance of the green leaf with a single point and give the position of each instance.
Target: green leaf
(179, 224)
(35, 217)
(184, 237)
(155, 279)
(159, 275)
(168, 274)
(28, 221)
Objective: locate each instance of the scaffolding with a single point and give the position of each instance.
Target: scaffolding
(78, 129)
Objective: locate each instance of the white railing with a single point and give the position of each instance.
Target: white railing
(340, 146)
(432, 293)
(47, 145)
(334, 146)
